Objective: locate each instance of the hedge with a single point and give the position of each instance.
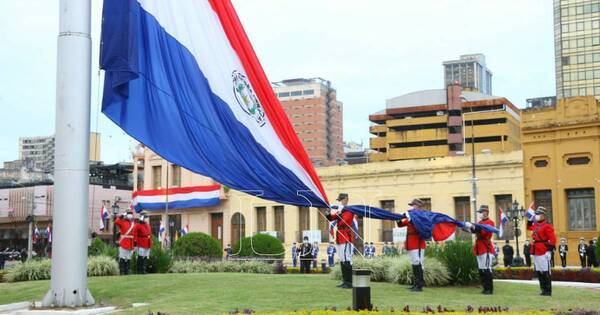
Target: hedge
(393, 312)
(188, 266)
(259, 245)
(40, 269)
(197, 244)
(558, 274)
(517, 273)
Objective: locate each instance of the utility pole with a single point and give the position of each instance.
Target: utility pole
(473, 171)
(71, 172)
(30, 221)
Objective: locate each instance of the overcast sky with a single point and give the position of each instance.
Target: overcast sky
(370, 50)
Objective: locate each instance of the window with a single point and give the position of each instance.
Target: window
(387, 226)
(238, 227)
(261, 219)
(323, 225)
(505, 202)
(279, 222)
(156, 176)
(543, 198)
(581, 209)
(462, 212)
(175, 175)
(581, 59)
(540, 163)
(303, 221)
(580, 160)
(296, 93)
(595, 24)
(579, 26)
(595, 40)
(284, 94)
(308, 92)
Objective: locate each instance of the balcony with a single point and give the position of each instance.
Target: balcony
(417, 135)
(379, 142)
(375, 129)
(417, 152)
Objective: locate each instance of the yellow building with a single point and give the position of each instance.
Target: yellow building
(443, 183)
(436, 123)
(561, 148)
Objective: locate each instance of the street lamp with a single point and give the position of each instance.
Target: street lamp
(516, 214)
(115, 211)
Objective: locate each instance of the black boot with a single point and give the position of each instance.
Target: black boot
(127, 265)
(419, 281)
(140, 265)
(542, 281)
(344, 270)
(121, 266)
(414, 277)
(145, 266)
(547, 291)
(482, 279)
(348, 278)
(488, 287)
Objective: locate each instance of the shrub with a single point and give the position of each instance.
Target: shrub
(492, 311)
(102, 266)
(32, 269)
(188, 266)
(378, 266)
(259, 245)
(160, 259)
(296, 270)
(458, 258)
(3, 275)
(520, 273)
(578, 275)
(435, 272)
(197, 244)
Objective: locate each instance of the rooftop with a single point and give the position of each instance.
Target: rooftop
(431, 97)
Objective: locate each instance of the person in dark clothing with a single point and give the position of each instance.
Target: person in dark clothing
(563, 248)
(3, 258)
(305, 252)
(582, 250)
(23, 255)
(508, 253)
(591, 254)
(527, 253)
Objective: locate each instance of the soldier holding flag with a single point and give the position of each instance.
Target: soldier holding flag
(126, 225)
(344, 220)
(143, 240)
(484, 249)
(544, 242)
(415, 246)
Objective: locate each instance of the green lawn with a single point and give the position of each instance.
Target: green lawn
(214, 293)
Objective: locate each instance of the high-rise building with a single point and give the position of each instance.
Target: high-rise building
(577, 47)
(444, 122)
(40, 150)
(471, 72)
(316, 114)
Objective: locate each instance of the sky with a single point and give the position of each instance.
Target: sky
(370, 51)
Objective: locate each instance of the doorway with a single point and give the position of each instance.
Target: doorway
(216, 226)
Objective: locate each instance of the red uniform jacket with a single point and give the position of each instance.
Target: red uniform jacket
(413, 240)
(483, 243)
(142, 234)
(544, 238)
(344, 227)
(126, 229)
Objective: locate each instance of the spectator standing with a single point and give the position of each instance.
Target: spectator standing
(315, 254)
(526, 252)
(294, 254)
(582, 250)
(508, 253)
(591, 254)
(305, 252)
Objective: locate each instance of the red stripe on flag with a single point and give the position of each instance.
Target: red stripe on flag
(178, 190)
(283, 128)
(442, 231)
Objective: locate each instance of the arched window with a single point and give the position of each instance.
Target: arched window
(238, 227)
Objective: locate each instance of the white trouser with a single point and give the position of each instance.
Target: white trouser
(416, 256)
(484, 261)
(345, 251)
(143, 252)
(542, 262)
(125, 253)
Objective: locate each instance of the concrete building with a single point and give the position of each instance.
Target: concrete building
(444, 122)
(41, 150)
(443, 183)
(471, 72)
(561, 152)
(355, 153)
(577, 47)
(317, 116)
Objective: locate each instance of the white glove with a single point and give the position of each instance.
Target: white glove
(548, 255)
(468, 227)
(407, 216)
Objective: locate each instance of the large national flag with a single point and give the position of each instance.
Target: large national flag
(503, 222)
(103, 217)
(182, 78)
(531, 211)
(182, 197)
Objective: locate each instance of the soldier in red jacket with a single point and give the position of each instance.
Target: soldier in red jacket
(544, 242)
(344, 238)
(143, 240)
(484, 249)
(415, 246)
(125, 224)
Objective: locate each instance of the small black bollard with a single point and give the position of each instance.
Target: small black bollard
(324, 268)
(361, 289)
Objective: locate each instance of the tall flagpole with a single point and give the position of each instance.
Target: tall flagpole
(71, 171)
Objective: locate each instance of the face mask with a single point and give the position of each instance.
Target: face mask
(305, 241)
(143, 218)
(129, 216)
(538, 217)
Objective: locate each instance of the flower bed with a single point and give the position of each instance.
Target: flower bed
(293, 270)
(517, 273)
(489, 311)
(576, 274)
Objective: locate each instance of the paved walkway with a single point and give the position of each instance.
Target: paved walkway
(556, 283)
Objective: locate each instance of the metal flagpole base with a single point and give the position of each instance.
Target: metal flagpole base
(62, 299)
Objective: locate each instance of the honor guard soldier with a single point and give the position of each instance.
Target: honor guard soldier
(372, 252)
(563, 248)
(315, 254)
(544, 242)
(484, 249)
(125, 224)
(582, 249)
(415, 246)
(294, 254)
(344, 238)
(143, 241)
(331, 254)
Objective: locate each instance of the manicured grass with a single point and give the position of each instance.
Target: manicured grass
(216, 293)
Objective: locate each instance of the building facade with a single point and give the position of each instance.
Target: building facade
(317, 116)
(443, 183)
(577, 47)
(471, 72)
(561, 152)
(40, 150)
(444, 122)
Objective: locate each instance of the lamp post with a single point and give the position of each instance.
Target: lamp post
(115, 211)
(516, 214)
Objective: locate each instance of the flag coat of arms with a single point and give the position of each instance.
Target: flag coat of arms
(182, 78)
